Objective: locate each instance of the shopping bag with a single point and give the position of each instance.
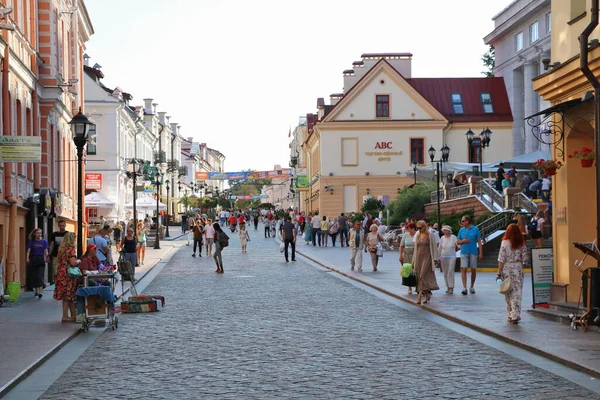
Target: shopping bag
(410, 281)
(504, 287)
(379, 251)
(281, 246)
(406, 270)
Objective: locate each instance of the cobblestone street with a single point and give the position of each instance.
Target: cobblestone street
(271, 329)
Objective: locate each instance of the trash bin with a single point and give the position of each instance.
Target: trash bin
(13, 289)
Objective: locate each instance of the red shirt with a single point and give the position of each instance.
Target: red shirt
(301, 219)
(232, 220)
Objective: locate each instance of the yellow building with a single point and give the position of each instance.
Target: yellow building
(365, 142)
(573, 190)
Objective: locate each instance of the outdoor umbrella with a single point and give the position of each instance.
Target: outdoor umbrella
(146, 203)
(96, 200)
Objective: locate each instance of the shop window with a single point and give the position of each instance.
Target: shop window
(417, 151)
(92, 213)
(519, 41)
(486, 103)
(382, 105)
(457, 104)
(474, 153)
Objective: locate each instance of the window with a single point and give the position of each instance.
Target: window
(417, 151)
(382, 105)
(577, 8)
(457, 105)
(91, 145)
(486, 102)
(534, 33)
(474, 153)
(519, 41)
(548, 22)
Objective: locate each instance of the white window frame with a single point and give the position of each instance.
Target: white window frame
(534, 32)
(486, 103)
(549, 22)
(457, 103)
(519, 41)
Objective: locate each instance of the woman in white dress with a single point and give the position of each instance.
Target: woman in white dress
(513, 254)
(447, 251)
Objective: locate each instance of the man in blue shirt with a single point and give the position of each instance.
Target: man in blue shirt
(101, 245)
(468, 238)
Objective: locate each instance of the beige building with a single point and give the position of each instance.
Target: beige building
(365, 142)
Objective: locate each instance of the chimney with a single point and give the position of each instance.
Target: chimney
(148, 106)
(161, 117)
(86, 59)
(154, 105)
(190, 139)
(174, 128)
(168, 119)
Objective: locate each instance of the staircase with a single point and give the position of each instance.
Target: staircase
(490, 258)
(560, 311)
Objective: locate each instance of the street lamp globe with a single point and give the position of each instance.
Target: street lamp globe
(445, 153)
(485, 137)
(470, 135)
(80, 125)
(431, 152)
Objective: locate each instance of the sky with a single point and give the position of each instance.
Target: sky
(238, 74)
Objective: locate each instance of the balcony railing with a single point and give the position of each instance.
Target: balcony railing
(459, 192)
(183, 170)
(160, 157)
(173, 166)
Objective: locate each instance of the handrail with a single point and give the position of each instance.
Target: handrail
(521, 201)
(495, 199)
(433, 196)
(459, 192)
(495, 223)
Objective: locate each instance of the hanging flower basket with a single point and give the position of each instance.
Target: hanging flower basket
(587, 163)
(550, 171)
(586, 155)
(548, 166)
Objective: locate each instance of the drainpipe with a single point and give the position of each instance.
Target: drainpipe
(585, 69)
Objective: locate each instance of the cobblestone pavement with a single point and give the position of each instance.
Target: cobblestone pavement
(269, 329)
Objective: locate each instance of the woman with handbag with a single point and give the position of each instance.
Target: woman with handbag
(334, 228)
(406, 255)
(372, 240)
(37, 255)
(425, 255)
(513, 254)
(66, 286)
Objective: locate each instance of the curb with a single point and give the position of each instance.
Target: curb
(33, 366)
(467, 324)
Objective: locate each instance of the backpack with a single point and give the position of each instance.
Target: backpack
(223, 240)
(532, 226)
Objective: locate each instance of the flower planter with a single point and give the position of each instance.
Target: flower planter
(587, 163)
(550, 171)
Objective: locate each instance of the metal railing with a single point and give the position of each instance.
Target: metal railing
(494, 199)
(433, 196)
(520, 201)
(494, 224)
(459, 192)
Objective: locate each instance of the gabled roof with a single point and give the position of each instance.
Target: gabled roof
(438, 91)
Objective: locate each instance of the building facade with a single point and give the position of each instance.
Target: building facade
(521, 39)
(365, 142)
(572, 128)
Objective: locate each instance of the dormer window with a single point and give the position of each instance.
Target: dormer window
(457, 104)
(486, 102)
(382, 105)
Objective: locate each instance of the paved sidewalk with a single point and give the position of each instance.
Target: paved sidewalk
(32, 330)
(484, 311)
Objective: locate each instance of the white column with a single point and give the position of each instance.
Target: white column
(531, 102)
(516, 93)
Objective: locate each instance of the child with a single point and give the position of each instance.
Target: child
(244, 237)
(273, 225)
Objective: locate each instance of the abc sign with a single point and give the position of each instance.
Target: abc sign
(383, 145)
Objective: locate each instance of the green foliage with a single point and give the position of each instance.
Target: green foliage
(358, 217)
(280, 213)
(265, 206)
(410, 202)
(453, 219)
(372, 206)
(208, 202)
(483, 217)
(224, 203)
(489, 62)
(249, 187)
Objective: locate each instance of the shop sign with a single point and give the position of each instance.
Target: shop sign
(383, 145)
(21, 149)
(302, 182)
(201, 175)
(542, 275)
(93, 181)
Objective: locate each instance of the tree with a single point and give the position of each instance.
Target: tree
(208, 202)
(489, 61)
(247, 188)
(372, 206)
(411, 202)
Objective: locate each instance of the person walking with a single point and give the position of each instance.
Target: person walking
(255, 220)
(316, 229)
(343, 224)
(447, 252)
(513, 254)
(65, 286)
(373, 239)
(289, 238)
(198, 232)
(221, 241)
(468, 239)
(101, 244)
(244, 237)
(267, 225)
(109, 244)
(407, 246)
(37, 255)
(308, 231)
(209, 236)
(535, 228)
(425, 255)
(117, 233)
(129, 246)
(357, 244)
(334, 228)
(54, 242)
(142, 239)
(324, 232)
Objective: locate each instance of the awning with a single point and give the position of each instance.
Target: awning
(96, 200)
(556, 108)
(145, 203)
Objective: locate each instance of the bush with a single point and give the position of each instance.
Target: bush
(372, 206)
(410, 202)
(453, 219)
(358, 217)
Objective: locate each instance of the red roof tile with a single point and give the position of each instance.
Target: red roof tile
(438, 91)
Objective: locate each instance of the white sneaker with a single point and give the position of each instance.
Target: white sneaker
(472, 290)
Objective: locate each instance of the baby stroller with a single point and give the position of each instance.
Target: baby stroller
(96, 303)
(389, 240)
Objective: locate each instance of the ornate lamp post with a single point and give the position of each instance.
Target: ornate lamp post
(484, 141)
(438, 166)
(157, 184)
(135, 169)
(168, 187)
(80, 125)
(415, 170)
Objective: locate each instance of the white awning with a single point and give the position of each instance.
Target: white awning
(96, 200)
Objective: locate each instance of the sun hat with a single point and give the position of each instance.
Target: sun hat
(447, 228)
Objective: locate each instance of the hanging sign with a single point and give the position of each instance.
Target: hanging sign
(542, 275)
(302, 182)
(21, 149)
(237, 176)
(201, 175)
(93, 181)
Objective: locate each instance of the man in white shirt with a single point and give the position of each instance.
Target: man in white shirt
(381, 229)
(433, 231)
(546, 189)
(316, 227)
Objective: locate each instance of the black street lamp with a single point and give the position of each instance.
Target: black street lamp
(167, 213)
(157, 184)
(484, 141)
(135, 170)
(80, 125)
(438, 167)
(415, 170)
(181, 186)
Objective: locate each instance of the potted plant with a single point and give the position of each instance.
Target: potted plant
(549, 166)
(586, 156)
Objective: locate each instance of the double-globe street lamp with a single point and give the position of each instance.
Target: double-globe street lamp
(80, 125)
(484, 141)
(167, 187)
(135, 169)
(438, 167)
(181, 186)
(415, 163)
(157, 183)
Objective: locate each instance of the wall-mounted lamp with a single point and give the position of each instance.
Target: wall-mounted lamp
(398, 173)
(331, 174)
(368, 190)
(330, 191)
(546, 63)
(367, 173)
